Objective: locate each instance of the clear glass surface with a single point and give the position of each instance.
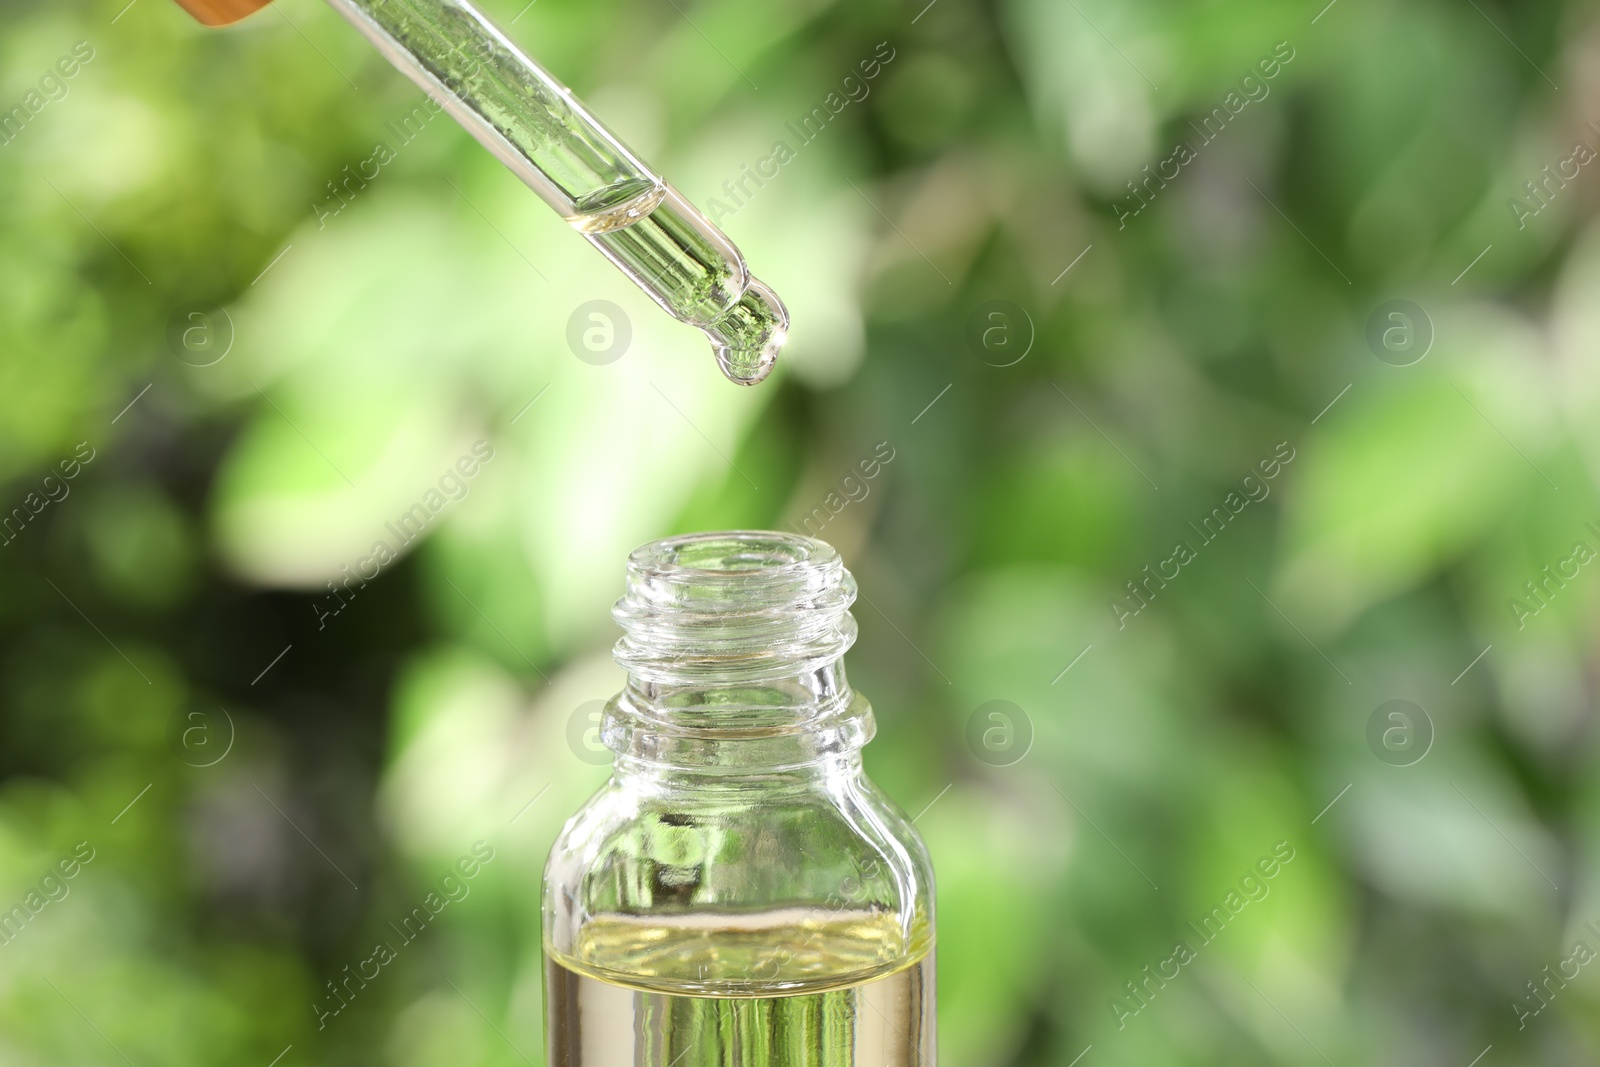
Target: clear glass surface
(738, 855)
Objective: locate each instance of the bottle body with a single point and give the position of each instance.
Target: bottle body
(790, 969)
(739, 892)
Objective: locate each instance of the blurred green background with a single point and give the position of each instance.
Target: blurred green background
(1070, 372)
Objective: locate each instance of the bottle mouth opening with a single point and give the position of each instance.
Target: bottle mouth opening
(736, 552)
(744, 604)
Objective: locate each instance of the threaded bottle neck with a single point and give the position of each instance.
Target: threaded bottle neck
(736, 637)
(739, 607)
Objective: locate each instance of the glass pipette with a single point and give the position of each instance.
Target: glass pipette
(535, 126)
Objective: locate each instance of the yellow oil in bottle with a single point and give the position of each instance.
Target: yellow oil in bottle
(801, 989)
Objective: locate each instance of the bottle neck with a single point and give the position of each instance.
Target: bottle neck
(811, 718)
(734, 646)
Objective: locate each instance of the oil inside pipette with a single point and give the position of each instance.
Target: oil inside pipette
(691, 269)
(618, 205)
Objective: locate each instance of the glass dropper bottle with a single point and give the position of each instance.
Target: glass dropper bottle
(739, 893)
(535, 126)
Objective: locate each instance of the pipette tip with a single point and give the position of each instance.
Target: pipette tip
(749, 337)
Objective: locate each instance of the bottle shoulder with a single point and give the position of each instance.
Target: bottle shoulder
(769, 882)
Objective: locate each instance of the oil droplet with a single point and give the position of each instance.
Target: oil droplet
(748, 338)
